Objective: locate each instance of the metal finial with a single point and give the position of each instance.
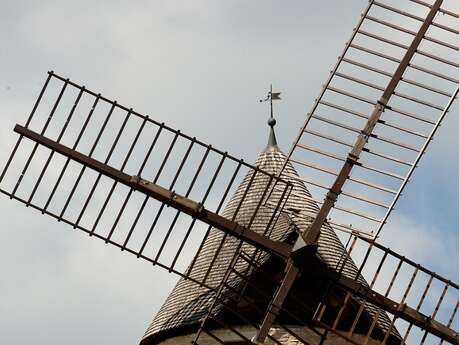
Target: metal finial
(272, 142)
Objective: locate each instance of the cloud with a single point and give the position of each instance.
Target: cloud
(424, 243)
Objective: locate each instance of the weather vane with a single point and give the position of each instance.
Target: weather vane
(270, 97)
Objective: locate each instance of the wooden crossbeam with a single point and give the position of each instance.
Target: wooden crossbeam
(181, 203)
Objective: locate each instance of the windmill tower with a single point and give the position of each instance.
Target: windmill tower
(295, 256)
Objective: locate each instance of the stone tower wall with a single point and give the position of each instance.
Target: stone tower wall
(280, 335)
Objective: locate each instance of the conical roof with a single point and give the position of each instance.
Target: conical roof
(188, 303)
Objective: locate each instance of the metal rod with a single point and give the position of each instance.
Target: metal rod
(32, 113)
(217, 292)
(126, 159)
(410, 262)
(318, 202)
(171, 186)
(446, 28)
(350, 195)
(43, 131)
(343, 109)
(327, 137)
(416, 161)
(403, 311)
(341, 334)
(412, 65)
(351, 95)
(441, 10)
(396, 93)
(240, 316)
(382, 122)
(437, 307)
(75, 145)
(372, 152)
(401, 29)
(158, 214)
(421, 301)
(437, 58)
(144, 203)
(403, 13)
(346, 253)
(391, 25)
(363, 305)
(356, 319)
(171, 227)
(349, 229)
(210, 334)
(233, 217)
(209, 188)
(384, 40)
(341, 310)
(166, 157)
(405, 295)
(342, 159)
(451, 319)
(220, 205)
(373, 324)
(131, 190)
(369, 101)
(405, 80)
(51, 154)
(306, 216)
(234, 330)
(278, 209)
(355, 130)
(450, 13)
(394, 276)
(93, 188)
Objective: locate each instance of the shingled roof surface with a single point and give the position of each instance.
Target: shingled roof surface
(188, 303)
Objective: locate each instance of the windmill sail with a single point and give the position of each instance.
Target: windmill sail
(379, 109)
(126, 179)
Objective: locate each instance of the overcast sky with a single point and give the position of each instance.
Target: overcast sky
(199, 66)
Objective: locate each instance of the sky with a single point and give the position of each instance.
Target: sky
(201, 67)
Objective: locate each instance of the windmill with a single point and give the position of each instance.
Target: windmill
(258, 247)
